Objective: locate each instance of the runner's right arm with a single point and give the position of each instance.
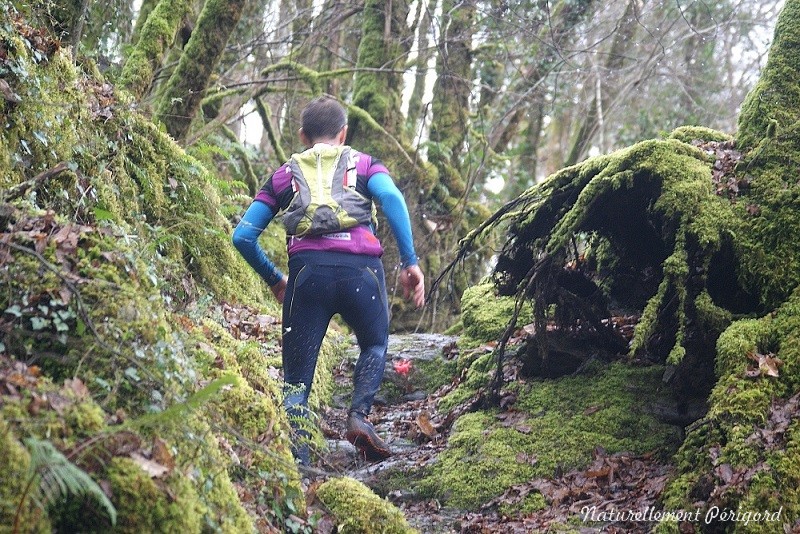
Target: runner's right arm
(245, 239)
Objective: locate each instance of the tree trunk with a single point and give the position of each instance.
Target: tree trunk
(187, 85)
(591, 122)
(157, 34)
(377, 128)
(144, 12)
(424, 55)
(384, 45)
(450, 107)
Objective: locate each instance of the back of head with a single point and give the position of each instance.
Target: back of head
(323, 118)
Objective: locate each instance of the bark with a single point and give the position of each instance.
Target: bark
(66, 16)
(450, 106)
(187, 85)
(384, 45)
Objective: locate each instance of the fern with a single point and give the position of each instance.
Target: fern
(53, 476)
(178, 410)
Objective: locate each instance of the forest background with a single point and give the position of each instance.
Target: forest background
(468, 103)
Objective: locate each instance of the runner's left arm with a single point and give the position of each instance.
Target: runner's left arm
(388, 196)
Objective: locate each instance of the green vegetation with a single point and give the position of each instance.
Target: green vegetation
(115, 268)
(358, 510)
(554, 424)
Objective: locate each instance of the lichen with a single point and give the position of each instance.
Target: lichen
(358, 510)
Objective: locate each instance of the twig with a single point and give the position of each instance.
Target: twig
(511, 326)
(20, 189)
(466, 243)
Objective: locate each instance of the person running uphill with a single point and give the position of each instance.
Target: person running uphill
(327, 196)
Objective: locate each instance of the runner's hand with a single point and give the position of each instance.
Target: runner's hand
(279, 289)
(413, 282)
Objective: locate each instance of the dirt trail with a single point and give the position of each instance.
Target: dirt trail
(404, 414)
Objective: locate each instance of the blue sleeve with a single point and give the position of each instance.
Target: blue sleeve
(245, 239)
(385, 193)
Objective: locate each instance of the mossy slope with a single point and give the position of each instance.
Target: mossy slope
(117, 260)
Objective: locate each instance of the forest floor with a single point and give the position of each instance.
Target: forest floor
(406, 416)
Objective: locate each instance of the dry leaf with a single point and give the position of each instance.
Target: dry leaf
(77, 387)
(768, 364)
(161, 453)
(424, 424)
(592, 409)
(154, 469)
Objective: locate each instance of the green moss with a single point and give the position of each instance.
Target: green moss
(15, 475)
(556, 425)
(435, 373)
(47, 123)
(688, 134)
(210, 470)
(85, 418)
(144, 506)
(485, 315)
(767, 133)
(775, 96)
(740, 410)
(358, 510)
(532, 503)
(156, 36)
(479, 367)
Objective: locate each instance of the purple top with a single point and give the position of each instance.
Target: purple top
(359, 240)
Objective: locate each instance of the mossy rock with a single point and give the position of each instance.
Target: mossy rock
(556, 424)
(145, 505)
(359, 511)
(689, 134)
(485, 315)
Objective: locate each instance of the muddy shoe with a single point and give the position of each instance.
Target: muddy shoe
(361, 434)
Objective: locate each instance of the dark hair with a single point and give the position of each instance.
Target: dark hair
(323, 118)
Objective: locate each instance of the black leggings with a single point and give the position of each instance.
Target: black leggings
(320, 285)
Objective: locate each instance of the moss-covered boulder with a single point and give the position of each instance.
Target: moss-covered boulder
(358, 510)
(554, 425)
(485, 315)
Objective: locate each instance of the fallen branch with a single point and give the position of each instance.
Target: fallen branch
(20, 189)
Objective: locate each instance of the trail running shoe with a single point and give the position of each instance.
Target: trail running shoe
(361, 433)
